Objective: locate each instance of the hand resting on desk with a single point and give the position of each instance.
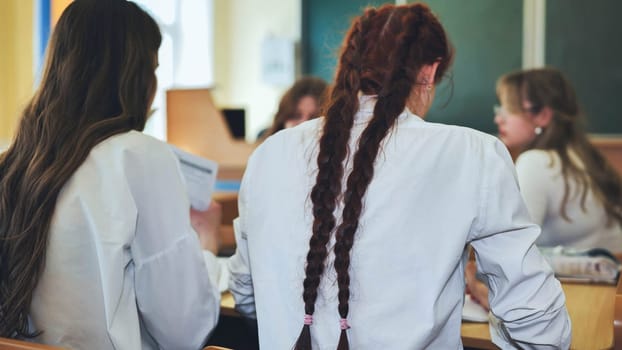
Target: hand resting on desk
(476, 288)
(590, 265)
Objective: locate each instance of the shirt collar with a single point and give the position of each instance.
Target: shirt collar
(366, 110)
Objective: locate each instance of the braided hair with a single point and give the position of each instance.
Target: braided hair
(382, 55)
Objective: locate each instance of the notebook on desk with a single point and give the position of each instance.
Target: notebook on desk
(583, 265)
(472, 311)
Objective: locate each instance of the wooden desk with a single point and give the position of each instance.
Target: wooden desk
(617, 313)
(227, 305)
(591, 311)
(611, 148)
(590, 307)
(229, 203)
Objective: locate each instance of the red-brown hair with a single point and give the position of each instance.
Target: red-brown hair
(305, 86)
(382, 54)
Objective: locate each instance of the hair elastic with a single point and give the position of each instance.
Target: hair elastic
(308, 320)
(344, 324)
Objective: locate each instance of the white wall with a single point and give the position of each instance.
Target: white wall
(240, 28)
(534, 27)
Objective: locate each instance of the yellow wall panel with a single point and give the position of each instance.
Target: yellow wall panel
(16, 62)
(56, 9)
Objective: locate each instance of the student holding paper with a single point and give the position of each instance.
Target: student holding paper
(353, 227)
(97, 247)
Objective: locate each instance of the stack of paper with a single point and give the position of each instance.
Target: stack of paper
(472, 311)
(592, 265)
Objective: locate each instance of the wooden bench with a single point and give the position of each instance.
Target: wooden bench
(12, 344)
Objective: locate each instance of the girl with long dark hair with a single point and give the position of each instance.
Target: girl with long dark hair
(97, 249)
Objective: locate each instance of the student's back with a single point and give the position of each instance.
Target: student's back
(407, 260)
(118, 263)
(353, 227)
(97, 247)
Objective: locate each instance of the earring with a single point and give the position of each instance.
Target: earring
(428, 87)
(537, 130)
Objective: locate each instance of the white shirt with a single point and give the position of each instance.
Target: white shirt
(542, 185)
(124, 268)
(435, 189)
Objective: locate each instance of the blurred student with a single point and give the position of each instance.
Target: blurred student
(97, 248)
(353, 227)
(300, 103)
(570, 189)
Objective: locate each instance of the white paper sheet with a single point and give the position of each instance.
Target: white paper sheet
(200, 176)
(472, 311)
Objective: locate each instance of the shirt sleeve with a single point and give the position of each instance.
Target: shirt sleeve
(533, 169)
(240, 280)
(527, 302)
(175, 282)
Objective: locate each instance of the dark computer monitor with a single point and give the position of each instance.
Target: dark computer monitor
(236, 121)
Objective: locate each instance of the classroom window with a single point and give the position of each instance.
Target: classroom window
(186, 54)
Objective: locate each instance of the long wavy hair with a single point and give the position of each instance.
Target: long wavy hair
(382, 54)
(305, 86)
(99, 80)
(547, 87)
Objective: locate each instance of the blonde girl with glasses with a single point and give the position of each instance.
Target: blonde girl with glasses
(570, 189)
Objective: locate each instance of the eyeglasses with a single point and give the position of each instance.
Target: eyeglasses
(503, 113)
(500, 111)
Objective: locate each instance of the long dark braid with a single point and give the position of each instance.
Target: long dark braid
(333, 150)
(390, 104)
(382, 55)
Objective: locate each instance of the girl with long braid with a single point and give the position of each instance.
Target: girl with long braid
(354, 226)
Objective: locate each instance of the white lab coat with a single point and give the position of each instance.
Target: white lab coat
(124, 268)
(542, 185)
(436, 188)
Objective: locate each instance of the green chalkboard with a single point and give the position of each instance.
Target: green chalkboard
(584, 40)
(324, 24)
(487, 36)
